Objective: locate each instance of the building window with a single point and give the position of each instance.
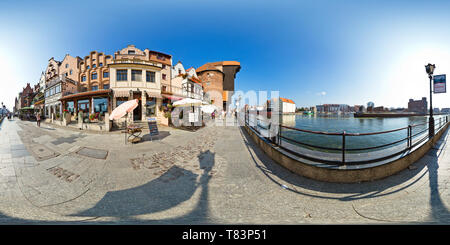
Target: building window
(150, 107)
(105, 86)
(94, 65)
(94, 76)
(67, 65)
(121, 75)
(66, 74)
(101, 64)
(131, 52)
(120, 101)
(58, 89)
(71, 72)
(94, 88)
(101, 107)
(105, 74)
(136, 75)
(83, 78)
(88, 67)
(164, 76)
(160, 57)
(150, 76)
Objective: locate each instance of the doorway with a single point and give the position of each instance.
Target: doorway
(137, 112)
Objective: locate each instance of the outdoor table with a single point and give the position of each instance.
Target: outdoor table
(134, 132)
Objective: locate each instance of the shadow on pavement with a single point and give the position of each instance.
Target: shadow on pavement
(169, 190)
(439, 212)
(351, 192)
(162, 135)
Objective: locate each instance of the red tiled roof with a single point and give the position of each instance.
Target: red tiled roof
(196, 80)
(212, 65)
(287, 100)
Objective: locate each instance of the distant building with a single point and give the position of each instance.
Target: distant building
(286, 106)
(332, 108)
(445, 110)
(370, 106)
(356, 108)
(436, 110)
(418, 106)
(379, 109)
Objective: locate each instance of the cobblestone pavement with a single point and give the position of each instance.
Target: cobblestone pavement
(215, 175)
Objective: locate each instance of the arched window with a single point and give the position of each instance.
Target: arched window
(94, 76)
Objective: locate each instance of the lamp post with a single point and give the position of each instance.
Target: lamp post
(430, 69)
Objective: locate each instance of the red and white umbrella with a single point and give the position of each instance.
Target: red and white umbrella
(123, 109)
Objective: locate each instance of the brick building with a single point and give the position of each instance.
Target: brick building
(218, 81)
(418, 106)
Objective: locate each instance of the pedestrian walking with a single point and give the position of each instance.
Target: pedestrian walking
(213, 115)
(38, 119)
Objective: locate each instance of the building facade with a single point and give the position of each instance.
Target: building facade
(92, 78)
(286, 106)
(140, 74)
(218, 80)
(187, 82)
(26, 96)
(55, 89)
(418, 106)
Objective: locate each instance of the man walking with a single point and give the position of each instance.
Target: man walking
(38, 119)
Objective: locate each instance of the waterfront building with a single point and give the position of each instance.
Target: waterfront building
(285, 106)
(60, 80)
(92, 96)
(218, 81)
(344, 108)
(358, 108)
(42, 82)
(370, 106)
(379, 109)
(38, 100)
(418, 106)
(436, 110)
(334, 108)
(55, 89)
(70, 67)
(445, 110)
(141, 74)
(187, 81)
(26, 96)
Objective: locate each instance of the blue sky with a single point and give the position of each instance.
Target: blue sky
(313, 52)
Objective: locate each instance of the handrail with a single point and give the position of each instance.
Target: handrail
(277, 137)
(347, 134)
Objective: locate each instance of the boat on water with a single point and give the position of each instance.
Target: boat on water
(308, 113)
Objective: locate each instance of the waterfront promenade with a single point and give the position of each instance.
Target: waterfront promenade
(216, 175)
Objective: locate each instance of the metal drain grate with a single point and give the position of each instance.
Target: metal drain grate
(93, 153)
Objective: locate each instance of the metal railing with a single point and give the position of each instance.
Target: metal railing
(274, 133)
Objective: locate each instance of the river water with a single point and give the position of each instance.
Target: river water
(337, 123)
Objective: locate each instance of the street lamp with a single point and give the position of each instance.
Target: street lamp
(430, 69)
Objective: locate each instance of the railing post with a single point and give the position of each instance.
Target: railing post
(343, 147)
(279, 134)
(409, 136)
